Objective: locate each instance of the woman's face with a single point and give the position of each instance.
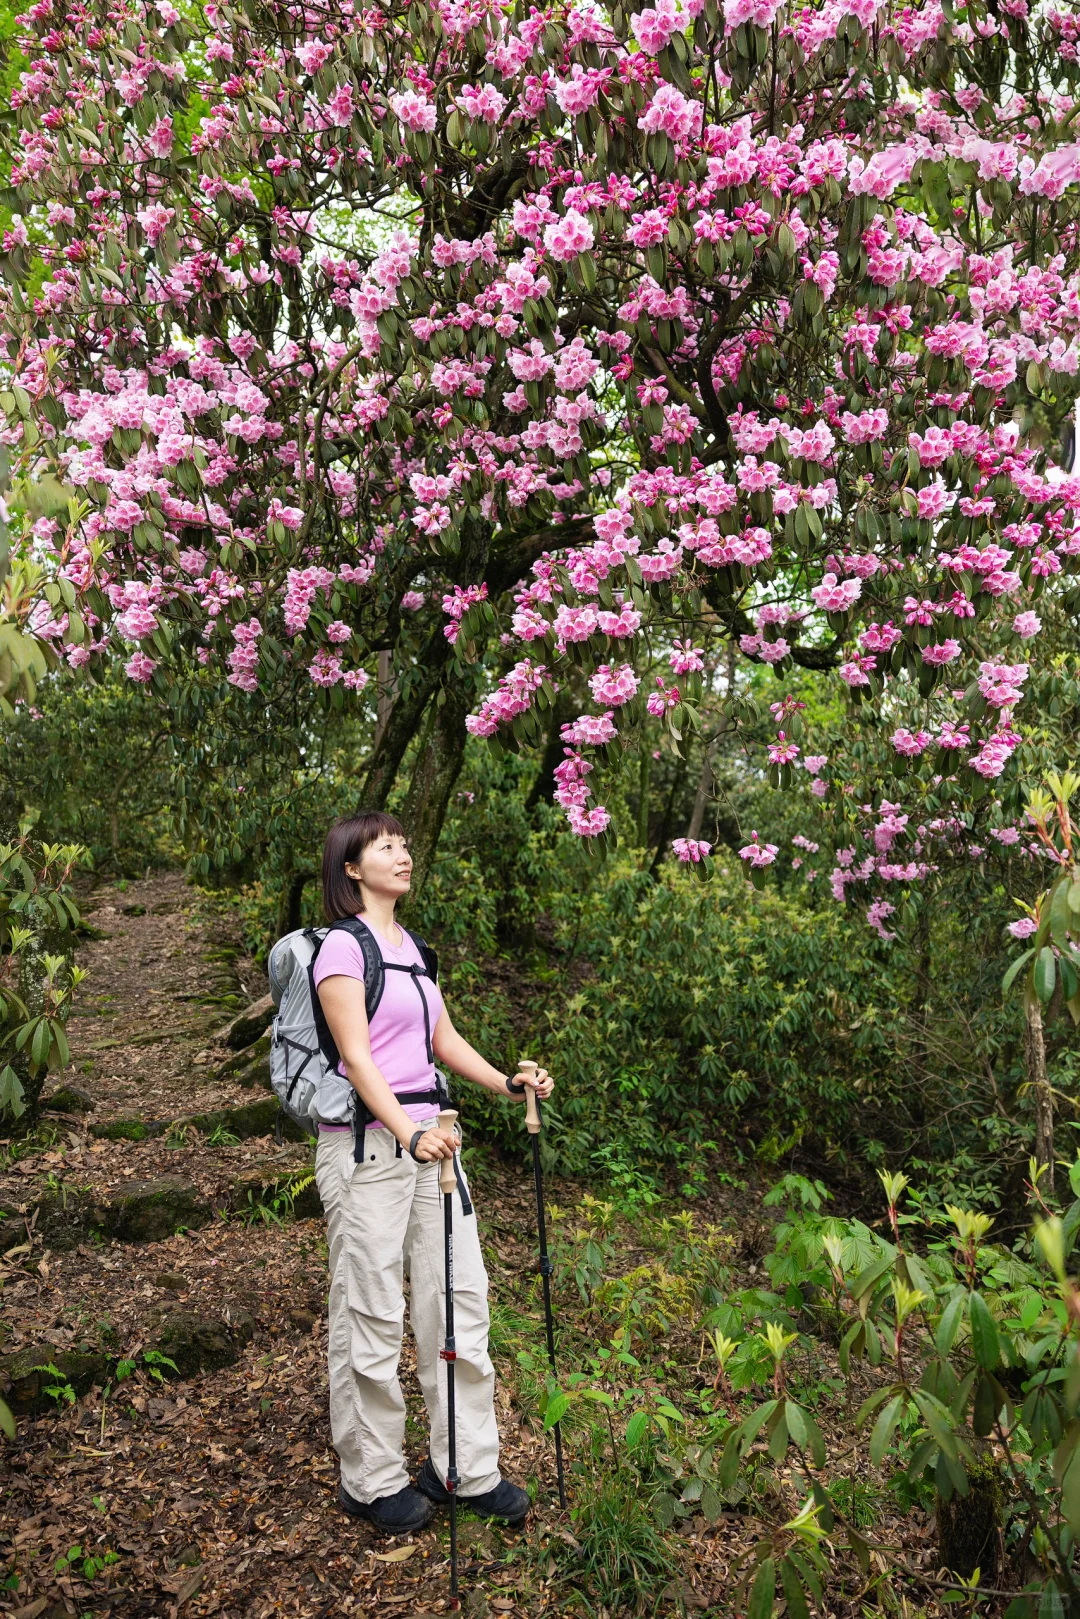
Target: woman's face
(385, 867)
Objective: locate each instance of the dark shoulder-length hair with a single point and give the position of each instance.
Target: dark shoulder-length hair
(345, 843)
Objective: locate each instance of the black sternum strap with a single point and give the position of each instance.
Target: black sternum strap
(416, 973)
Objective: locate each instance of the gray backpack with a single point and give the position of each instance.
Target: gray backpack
(303, 1057)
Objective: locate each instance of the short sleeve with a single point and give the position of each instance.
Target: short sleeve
(340, 956)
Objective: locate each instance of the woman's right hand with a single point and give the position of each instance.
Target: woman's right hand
(435, 1144)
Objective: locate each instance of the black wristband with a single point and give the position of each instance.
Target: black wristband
(415, 1138)
(515, 1089)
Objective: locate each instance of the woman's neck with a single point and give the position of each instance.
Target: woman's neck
(379, 914)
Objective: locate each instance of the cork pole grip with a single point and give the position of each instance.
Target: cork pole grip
(527, 1070)
(447, 1174)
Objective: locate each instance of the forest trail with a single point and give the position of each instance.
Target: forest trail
(212, 1492)
(162, 1341)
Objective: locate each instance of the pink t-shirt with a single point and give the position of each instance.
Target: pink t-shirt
(398, 1047)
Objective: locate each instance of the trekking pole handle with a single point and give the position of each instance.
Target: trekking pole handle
(447, 1173)
(527, 1070)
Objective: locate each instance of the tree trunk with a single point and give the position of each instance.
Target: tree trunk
(644, 775)
(562, 712)
(704, 782)
(385, 699)
(290, 901)
(701, 797)
(1035, 1062)
(677, 784)
(436, 770)
(402, 724)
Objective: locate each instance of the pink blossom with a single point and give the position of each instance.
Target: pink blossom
(876, 914)
(412, 601)
(1000, 683)
(614, 684)
(483, 102)
(758, 853)
(415, 111)
(588, 823)
(654, 27)
(834, 597)
(568, 236)
(911, 746)
(880, 637)
(338, 632)
(139, 667)
(592, 730)
(159, 141)
(856, 671)
(356, 679)
(339, 112)
(690, 850)
(1026, 625)
(325, 669)
(685, 658)
(761, 12)
(1024, 928)
(815, 763)
(670, 113)
(580, 91)
(942, 652)
(782, 752)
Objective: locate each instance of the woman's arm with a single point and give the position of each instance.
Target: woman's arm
(454, 1050)
(342, 1001)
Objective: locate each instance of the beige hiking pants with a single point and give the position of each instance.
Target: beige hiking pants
(385, 1218)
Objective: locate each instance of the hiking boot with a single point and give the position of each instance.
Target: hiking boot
(398, 1514)
(506, 1501)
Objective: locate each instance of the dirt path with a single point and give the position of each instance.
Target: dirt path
(162, 977)
(211, 1493)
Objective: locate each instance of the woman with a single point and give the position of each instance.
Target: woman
(384, 1209)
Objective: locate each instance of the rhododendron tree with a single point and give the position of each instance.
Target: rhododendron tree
(511, 343)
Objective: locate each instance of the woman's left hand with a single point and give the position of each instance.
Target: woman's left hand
(543, 1084)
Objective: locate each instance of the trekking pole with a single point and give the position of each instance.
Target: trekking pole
(448, 1353)
(532, 1124)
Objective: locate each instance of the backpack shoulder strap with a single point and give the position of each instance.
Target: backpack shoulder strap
(374, 971)
(429, 956)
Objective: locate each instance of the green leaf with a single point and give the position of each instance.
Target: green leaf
(796, 1423)
(870, 1405)
(947, 1327)
(938, 1419)
(797, 1605)
(711, 1505)
(1059, 915)
(663, 1506)
(1045, 974)
(1010, 977)
(637, 1428)
(778, 1440)
(869, 1277)
(41, 1044)
(883, 1428)
(557, 1407)
(7, 1421)
(984, 1333)
(763, 1592)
